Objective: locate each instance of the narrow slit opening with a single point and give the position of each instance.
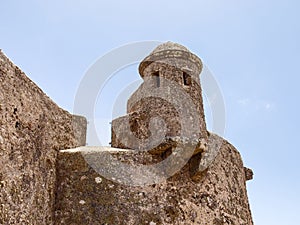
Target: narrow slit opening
(157, 78)
(187, 80)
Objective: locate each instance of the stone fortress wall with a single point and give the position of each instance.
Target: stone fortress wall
(46, 178)
(32, 131)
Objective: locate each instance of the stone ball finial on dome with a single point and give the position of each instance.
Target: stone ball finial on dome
(168, 53)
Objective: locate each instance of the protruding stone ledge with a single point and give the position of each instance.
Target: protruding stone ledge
(248, 173)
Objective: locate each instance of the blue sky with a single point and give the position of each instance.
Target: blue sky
(252, 48)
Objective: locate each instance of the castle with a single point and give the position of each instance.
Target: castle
(50, 177)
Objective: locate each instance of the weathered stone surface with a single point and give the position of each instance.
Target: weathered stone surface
(32, 129)
(79, 124)
(248, 173)
(42, 184)
(86, 197)
(168, 102)
(210, 188)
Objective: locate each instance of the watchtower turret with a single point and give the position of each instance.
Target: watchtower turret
(171, 75)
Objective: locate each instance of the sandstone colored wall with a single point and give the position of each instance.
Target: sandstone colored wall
(32, 129)
(86, 197)
(163, 94)
(39, 184)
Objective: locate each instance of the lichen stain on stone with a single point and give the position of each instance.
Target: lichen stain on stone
(98, 180)
(81, 202)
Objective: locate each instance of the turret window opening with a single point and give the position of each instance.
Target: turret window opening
(157, 79)
(187, 80)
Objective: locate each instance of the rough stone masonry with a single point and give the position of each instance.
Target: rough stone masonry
(32, 131)
(42, 184)
(209, 189)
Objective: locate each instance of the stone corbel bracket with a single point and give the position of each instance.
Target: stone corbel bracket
(203, 156)
(202, 161)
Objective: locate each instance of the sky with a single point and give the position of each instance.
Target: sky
(251, 47)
